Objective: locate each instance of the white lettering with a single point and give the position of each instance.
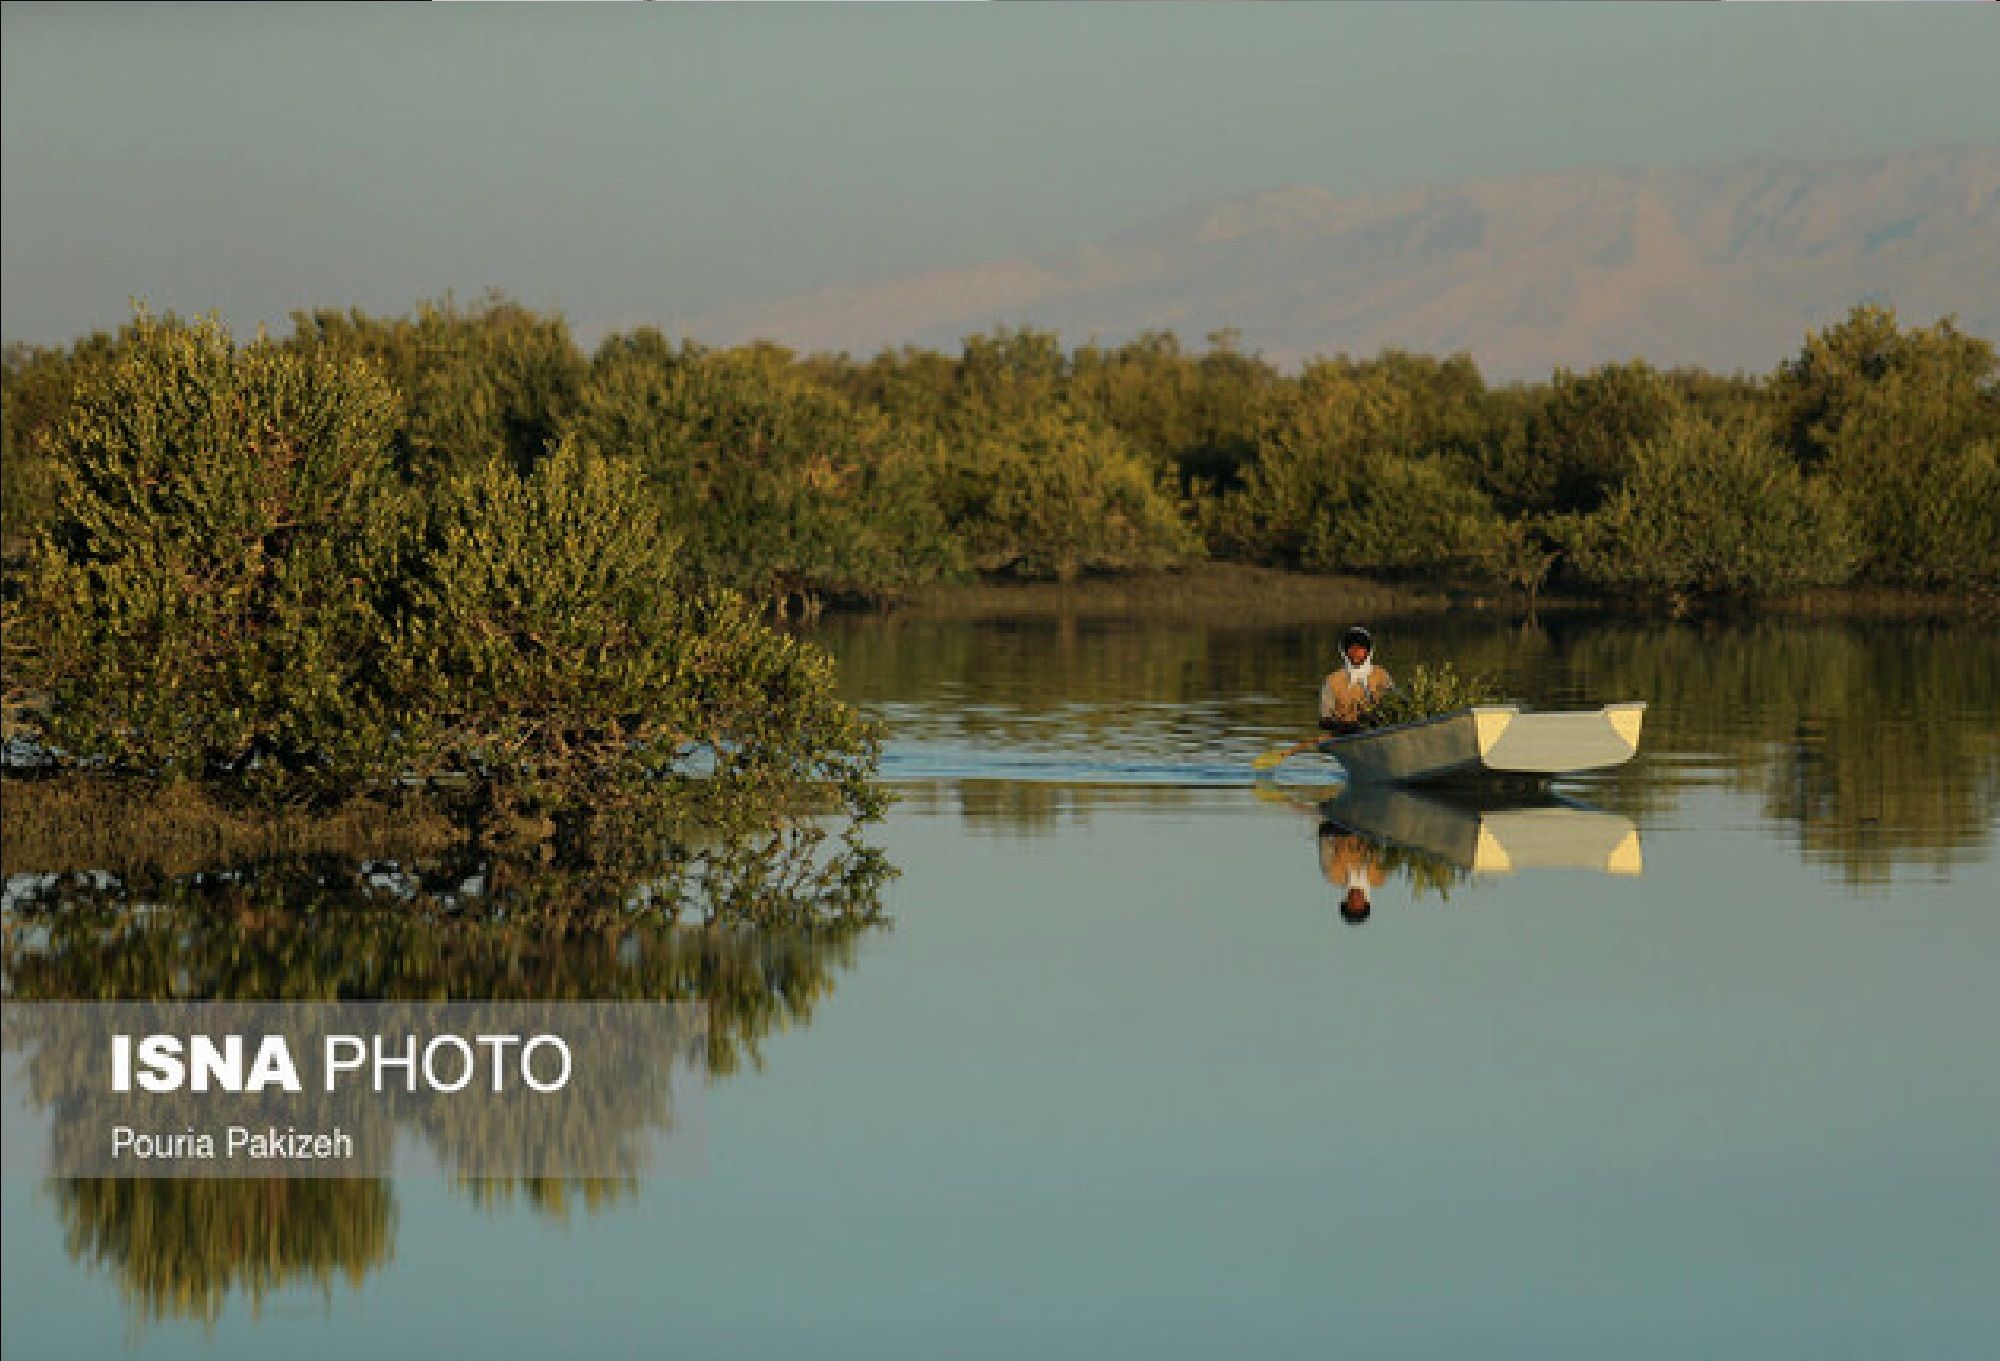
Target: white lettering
(408, 1063)
(273, 1066)
(528, 1063)
(497, 1044)
(466, 1063)
(161, 1057)
(128, 1142)
(225, 1066)
(335, 1064)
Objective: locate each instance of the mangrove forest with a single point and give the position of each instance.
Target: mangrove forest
(454, 546)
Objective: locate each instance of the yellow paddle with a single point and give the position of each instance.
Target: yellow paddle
(1271, 760)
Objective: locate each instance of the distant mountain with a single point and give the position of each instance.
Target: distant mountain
(1723, 267)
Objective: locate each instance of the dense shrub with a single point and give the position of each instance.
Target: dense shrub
(494, 378)
(806, 480)
(1195, 416)
(1574, 447)
(210, 590)
(1007, 376)
(1343, 482)
(37, 385)
(1053, 496)
(1713, 510)
(234, 585)
(555, 644)
(1904, 424)
(774, 484)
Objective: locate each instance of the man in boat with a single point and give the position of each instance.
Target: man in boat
(1352, 690)
(1348, 862)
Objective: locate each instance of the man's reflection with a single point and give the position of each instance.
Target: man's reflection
(1349, 862)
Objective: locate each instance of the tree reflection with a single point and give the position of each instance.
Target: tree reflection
(180, 1248)
(1876, 742)
(757, 926)
(1879, 745)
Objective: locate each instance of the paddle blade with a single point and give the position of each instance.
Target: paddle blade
(1271, 760)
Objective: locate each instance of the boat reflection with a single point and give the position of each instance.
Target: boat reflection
(1439, 837)
(1489, 833)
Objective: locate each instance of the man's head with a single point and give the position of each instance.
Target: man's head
(1354, 908)
(1356, 646)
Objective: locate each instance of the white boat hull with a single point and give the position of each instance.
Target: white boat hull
(1492, 740)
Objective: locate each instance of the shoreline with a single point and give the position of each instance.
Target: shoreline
(1239, 593)
(1219, 592)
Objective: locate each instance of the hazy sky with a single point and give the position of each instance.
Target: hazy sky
(646, 163)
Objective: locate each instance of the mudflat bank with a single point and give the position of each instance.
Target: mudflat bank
(1210, 592)
(1226, 592)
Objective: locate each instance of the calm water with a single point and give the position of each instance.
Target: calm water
(1708, 1073)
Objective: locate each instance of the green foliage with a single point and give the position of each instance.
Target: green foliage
(1575, 447)
(775, 485)
(209, 592)
(1904, 424)
(37, 385)
(914, 388)
(554, 646)
(235, 586)
(1712, 510)
(1427, 693)
(802, 481)
(1196, 416)
(542, 642)
(1438, 406)
(1925, 495)
(495, 378)
(1054, 496)
(1411, 516)
(1843, 366)
(1354, 478)
(1521, 555)
(1006, 376)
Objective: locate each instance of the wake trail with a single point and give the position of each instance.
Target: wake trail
(925, 766)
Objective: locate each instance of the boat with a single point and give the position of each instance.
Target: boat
(1486, 835)
(1492, 741)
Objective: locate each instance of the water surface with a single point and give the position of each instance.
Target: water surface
(1115, 1079)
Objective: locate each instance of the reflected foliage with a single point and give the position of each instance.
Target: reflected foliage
(1352, 855)
(1040, 807)
(757, 926)
(181, 1248)
(1879, 745)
